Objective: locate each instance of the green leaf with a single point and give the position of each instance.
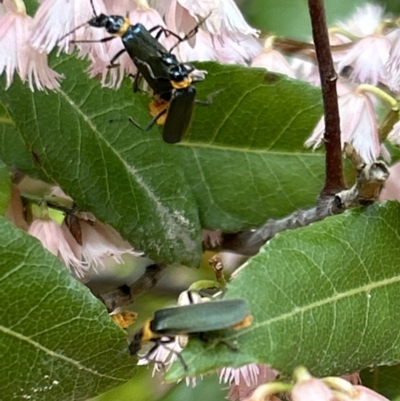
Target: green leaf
(207, 388)
(244, 154)
(384, 379)
(142, 385)
(57, 341)
(13, 150)
(235, 168)
(127, 180)
(5, 187)
(325, 296)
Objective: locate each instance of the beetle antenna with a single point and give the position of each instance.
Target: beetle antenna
(69, 33)
(79, 26)
(191, 33)
(93, 9)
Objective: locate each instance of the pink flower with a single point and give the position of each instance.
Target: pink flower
(273, 61)
(102, 245)
(162, 356)
(336, 39)
(211, 238)
(221, 48)
(366, 394)
(60, 243)
(54, 19)
(365, 21)
(368, 58)
(17, 55)
(353, 378)
(391, 190)
(394, 134)
(244, 380)
(312, 389)
(150, 18)
(223, 17)
(357, 123)
(393, 64)
(228, 37)
(306, 71)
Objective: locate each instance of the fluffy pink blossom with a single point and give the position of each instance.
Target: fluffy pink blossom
(220, 48)
(392, 67)
(367, 58)
(365, 20)
(273, 60)
(353, 378)
(309, 388)
(227, 38)
(366, 394)
(17, 55)
(312, 389)
(358, 125)
(212, 238)
(101, 244)
(60, 243)
(223, 17)
(391, 190)
(163, 356)
(394, 134)
(370, 53)
(53, 20)
(244, 380)
(56, 19)
(336, 38)
(308, 71)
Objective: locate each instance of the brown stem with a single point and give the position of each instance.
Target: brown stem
(334, 171)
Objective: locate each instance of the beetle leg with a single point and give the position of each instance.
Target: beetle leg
(112, 62)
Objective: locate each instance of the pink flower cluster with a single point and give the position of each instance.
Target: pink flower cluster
(309, 388)
(96, 246)
(368, 62)
(25, 41)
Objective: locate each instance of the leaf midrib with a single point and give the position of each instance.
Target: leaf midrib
(53, 354)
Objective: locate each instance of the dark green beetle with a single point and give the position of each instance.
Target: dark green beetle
(193, 319)
(169, 80)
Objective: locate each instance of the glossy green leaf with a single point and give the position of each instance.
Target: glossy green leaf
(383, 379)
(53, 323)
(236, 166)
(128, 180)
(5, 187)
(325, 296)
(244, 154)
(13, 150)
(206, 388)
